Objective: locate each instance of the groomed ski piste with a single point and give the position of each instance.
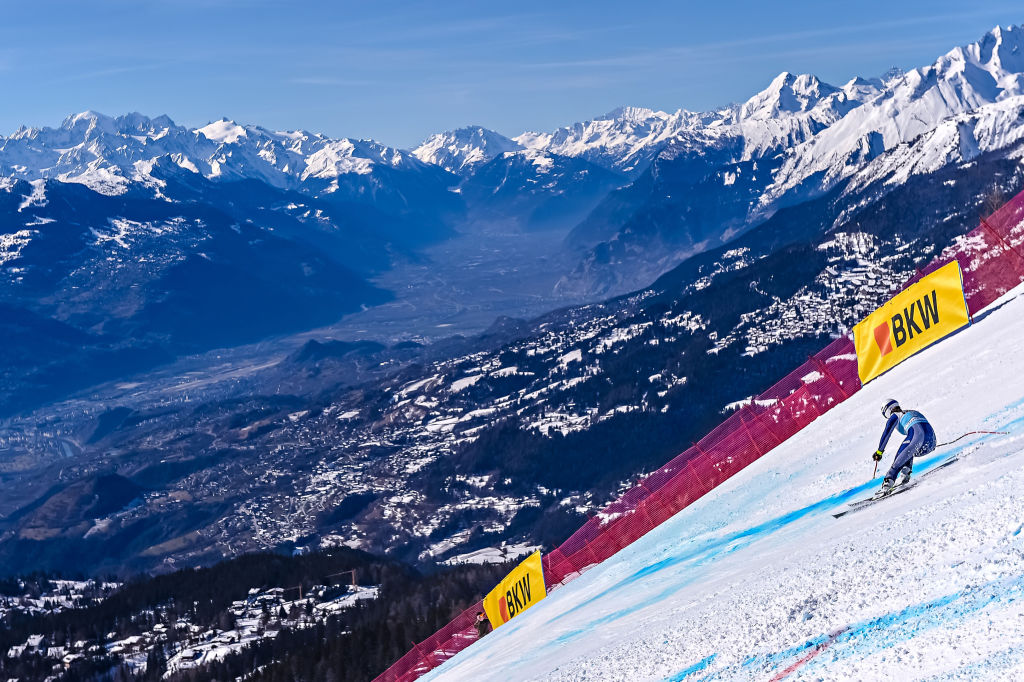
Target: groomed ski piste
(757, 580)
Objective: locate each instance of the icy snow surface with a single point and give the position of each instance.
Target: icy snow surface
(757, 580)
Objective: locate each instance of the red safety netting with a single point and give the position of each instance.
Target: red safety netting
(825, 380)
(436, 649)
(992, 260)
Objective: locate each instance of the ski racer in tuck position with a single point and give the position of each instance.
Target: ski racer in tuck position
(919, 441)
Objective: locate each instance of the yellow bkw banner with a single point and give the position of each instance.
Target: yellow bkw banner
(518, 591)
(915, 318)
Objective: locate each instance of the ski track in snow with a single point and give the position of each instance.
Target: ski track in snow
(758, 581)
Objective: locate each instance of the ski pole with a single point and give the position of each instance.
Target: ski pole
(875, 472)
(970, 433)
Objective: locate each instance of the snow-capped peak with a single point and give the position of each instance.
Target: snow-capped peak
(89, 123)
(463, 149)
(862, 89)
(633, 115)
(87, 117)
(224, 131)
(788, 93)
(624, 140)
(92, 125)
(990, 69)
(964, 79)
(1001, 50)
(893, 74)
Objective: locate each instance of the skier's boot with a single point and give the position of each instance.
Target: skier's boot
(906, 475)
(885, 489)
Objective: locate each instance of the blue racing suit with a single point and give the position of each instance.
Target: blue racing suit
(919, 441)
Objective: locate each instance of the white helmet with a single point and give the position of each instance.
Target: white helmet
(890, 407)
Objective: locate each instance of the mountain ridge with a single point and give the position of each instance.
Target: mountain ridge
(824, 131)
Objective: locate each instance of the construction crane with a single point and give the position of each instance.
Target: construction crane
(327, 578)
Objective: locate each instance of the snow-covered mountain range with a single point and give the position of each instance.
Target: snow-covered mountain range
(966, 79)
(796, 140)
(108, 154)
(635, 192)
(825, 133)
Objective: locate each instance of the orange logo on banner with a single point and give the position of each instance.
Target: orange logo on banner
(883, 338)
(913, 319)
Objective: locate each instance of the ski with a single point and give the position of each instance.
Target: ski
(896, 490)
(867, 502)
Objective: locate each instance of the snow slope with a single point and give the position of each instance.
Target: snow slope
(757, 580)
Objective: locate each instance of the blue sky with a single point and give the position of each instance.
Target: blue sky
(397, 71)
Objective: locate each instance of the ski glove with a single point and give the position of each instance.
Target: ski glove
(877, 456)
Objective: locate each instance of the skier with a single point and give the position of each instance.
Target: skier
(919, 441)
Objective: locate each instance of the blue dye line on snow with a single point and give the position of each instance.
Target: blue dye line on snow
(786, 655)
(710, 550)
(715, 546)
(697, 667)
(877, 634)
(873, 635)
(1019, 421)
